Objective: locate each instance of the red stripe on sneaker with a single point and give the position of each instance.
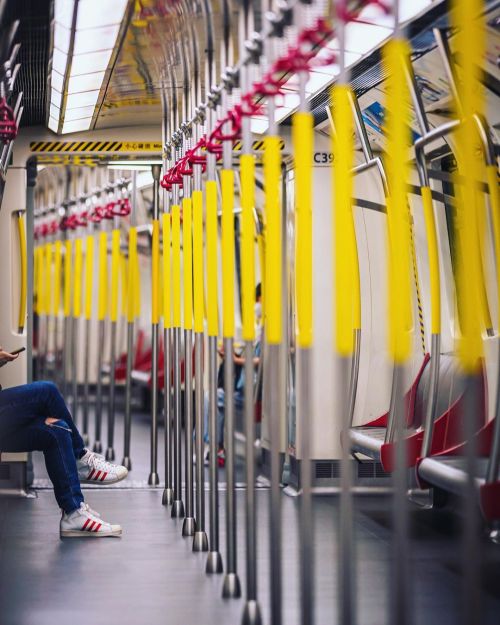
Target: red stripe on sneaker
(97, 475)
(89, 477)
(96, 529)
(103, 477)
(85, 524)
(89, 528)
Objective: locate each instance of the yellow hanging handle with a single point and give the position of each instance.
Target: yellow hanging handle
(211, 256)
(23, 269)
(115, 274)
(132, 274)
(176, 266)
(198, 260)
(247, 172)
(492, 178)
(102, 303)
(89, 275)
(167, 279)
(303, 146)
(273, 273)
(56, 302)
(432, 251)
(36, 271)
(124, 285)
(68, 249)
(228, 257)
(397, 130)
(471, 43)
(77, 290)
(187, 246)
(155, 271)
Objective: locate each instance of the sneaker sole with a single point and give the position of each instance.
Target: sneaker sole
(84, 534)
(105, 483)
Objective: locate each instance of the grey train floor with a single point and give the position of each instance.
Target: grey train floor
(151, 577)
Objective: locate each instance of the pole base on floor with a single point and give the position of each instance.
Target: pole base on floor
(200, 541)
(98, 447)
(127, 463)
(110, 453)
(214, 563)
(231, 589)
(177, 509)
(168, 497)
(251, 613)
(153, 479)
(189, 526)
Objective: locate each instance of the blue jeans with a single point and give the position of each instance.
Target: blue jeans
(23, 410)
(238, 403)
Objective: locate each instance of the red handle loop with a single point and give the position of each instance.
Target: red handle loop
(123, 209)
(8, 126)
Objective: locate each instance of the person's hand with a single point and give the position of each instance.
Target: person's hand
(5, 357)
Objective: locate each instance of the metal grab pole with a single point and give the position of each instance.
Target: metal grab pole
(77, 311)
(102, 311)
(177, 505)
(200, 540)
(252, 612)
(168, 494)
(89, 274)
(154, 479)
(132, 292)
(115, 269)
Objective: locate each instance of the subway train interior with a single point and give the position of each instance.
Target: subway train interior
(250, 312)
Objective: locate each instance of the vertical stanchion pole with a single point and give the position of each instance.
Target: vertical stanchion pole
(347, 314)
(153, 479)
(56, 306)
(303, 148)
(68, 265)
(200, 540)
(102, 309)
(89, 275)
(177, 505)
(77, 311)
(214, 560)
(132, 293)
(113, 316)
(468, 19)
(168, 494)
(397, 131)
(251, 612)
(31, 173)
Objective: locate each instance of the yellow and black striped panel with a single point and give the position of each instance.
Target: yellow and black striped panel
(256, 145)
(94, 146)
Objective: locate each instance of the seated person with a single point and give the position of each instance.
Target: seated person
(34, 417)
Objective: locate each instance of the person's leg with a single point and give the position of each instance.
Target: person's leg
(220, 417)
(54, 438)
(21, 405)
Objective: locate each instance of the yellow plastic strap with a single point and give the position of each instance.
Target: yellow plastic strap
(132, 271)
(471, 43)
(492, 178)
(176, 266)
(481, 229)
(303, 146)
(198, 260)
(77, 289)
(89, 275)
(115, 271)
(167, 280)
(56, 302)
(155, 269)
(187, 246)
(68, 249)
(261, 245)
(137, 284)
(432, 251)
(24, 276)
(272, 174)
(397, 130)
(247, 173)
(102, 303)
(227, 246)
(124, 285)
(36, 272)
(211, 257)
(47, 292)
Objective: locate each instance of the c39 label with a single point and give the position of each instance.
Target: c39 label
(323, 158)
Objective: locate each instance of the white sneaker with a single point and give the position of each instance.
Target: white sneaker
(87, 523)
(93, 468)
